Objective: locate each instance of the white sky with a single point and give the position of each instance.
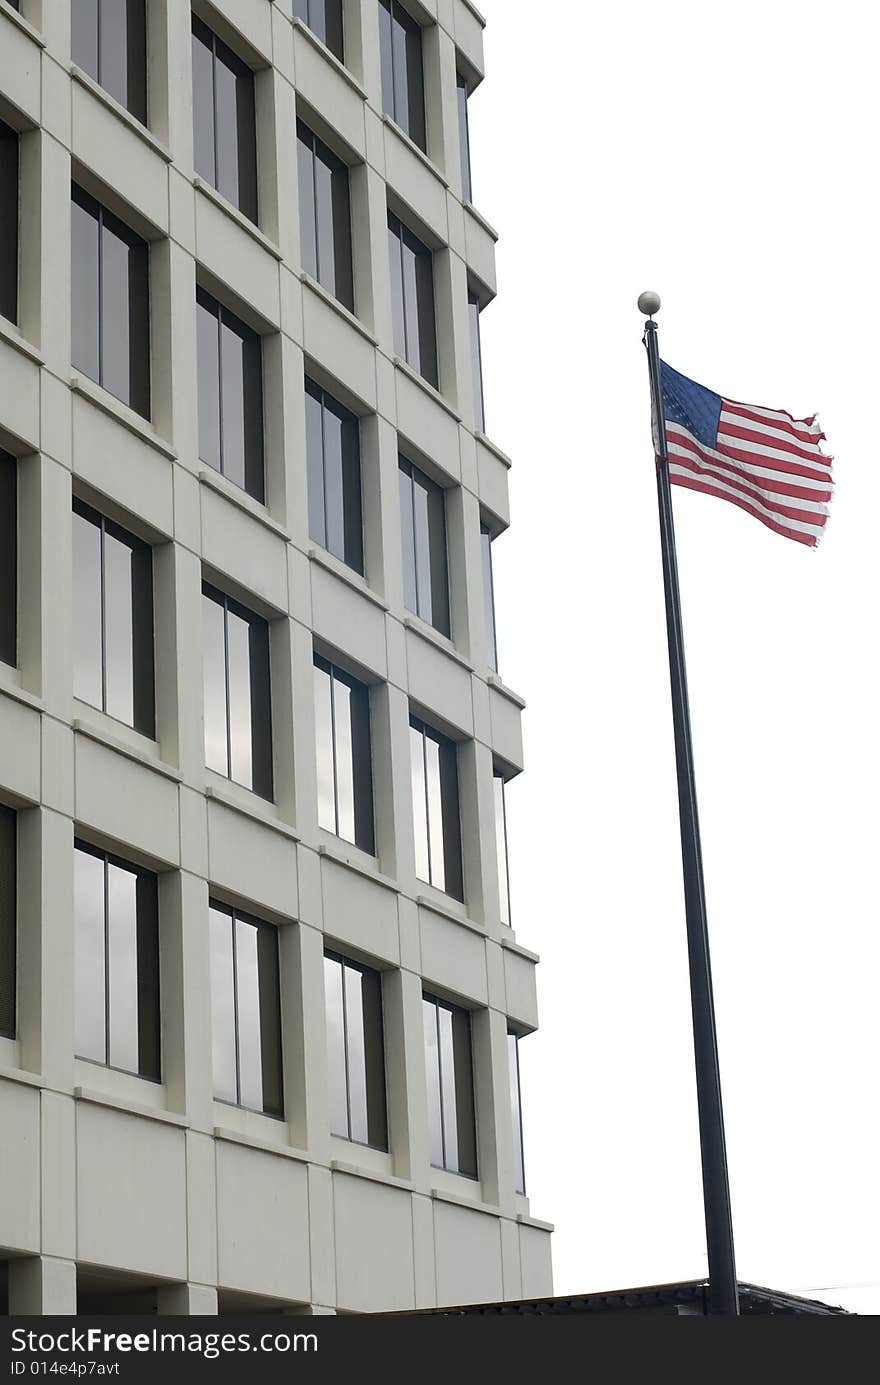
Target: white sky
(728, 159)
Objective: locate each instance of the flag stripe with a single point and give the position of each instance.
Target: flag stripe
(806, 427)
(770, 438)
(694, 483)
(761, 486)
(765, 461)
(772, 474)
(805, 511)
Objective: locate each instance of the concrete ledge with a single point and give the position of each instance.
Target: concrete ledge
(440, 641)
(96, 733)
(339, 857)
(114, 408)
(345, 313)
(22, 24)
(389, 1180)
(100, 94)
(237, 1137)
(346, 574)
(130, 1108)
(331, 58)
(12, 335)
(207, 190)
(236, 496)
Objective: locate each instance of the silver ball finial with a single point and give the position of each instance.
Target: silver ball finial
(649, 303)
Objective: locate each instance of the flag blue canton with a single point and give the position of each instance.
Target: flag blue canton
(691, 405)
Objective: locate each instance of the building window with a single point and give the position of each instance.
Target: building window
(324, 216)
(224, 121)
(8, 222)
(489, 597)
(403, 81)
(108, 40)
(230, 358)
(238, 718)
(245, 1011)
(8, 559)
(116, 963)
(516, 1111)
(423, 538)
(435, 809)
(8, 913)
(501, 848)
(449, 1068)
(113, 620)
(412, 300)
(324, 18)
(355, 1052)
(110, 307)
(345, 775)
(333, 454)
(464, 138)
(477, 363)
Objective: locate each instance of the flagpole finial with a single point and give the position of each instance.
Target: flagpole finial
(649, 303)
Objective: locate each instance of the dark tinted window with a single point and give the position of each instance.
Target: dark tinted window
(8, 222)
(403, 83)
(230, 395)
(324, 18)
(516, 1112)
(112, 619)
(345, 775)
(501, 848)
(423, 536)
(412, 300)
(464, 139)
(110, 302)
(488, 597)
(476, 362)
(245, 1011)
(434, 768)
(108, 41)
(355, 1052)
(8, 559)
(449, 1070)
(324, 216)
(238, 722)
(8, 912)
(224, 123)
(116, 963)
(334, 469)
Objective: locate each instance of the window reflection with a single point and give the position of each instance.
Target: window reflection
(355, 1046)
(116, 963)
(516, 1111)
(245, 1011)
(412, 288)
(237, 699)
(344, 760)
(436, 822)
(113, 620)
(224, 120)
(423, 540)
(449, 1073)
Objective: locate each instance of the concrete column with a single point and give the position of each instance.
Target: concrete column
(305, 1040)
(42, 1286)
(410, 1064)
(186, 1300)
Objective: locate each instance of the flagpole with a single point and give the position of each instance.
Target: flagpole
(723, 1296)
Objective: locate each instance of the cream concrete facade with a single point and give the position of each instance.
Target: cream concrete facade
(106, 1179)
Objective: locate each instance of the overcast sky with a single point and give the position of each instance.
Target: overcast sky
(726, 158)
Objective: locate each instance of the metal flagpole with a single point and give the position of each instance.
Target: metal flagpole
(723, 1297)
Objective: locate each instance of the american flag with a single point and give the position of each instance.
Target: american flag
(765, 461)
